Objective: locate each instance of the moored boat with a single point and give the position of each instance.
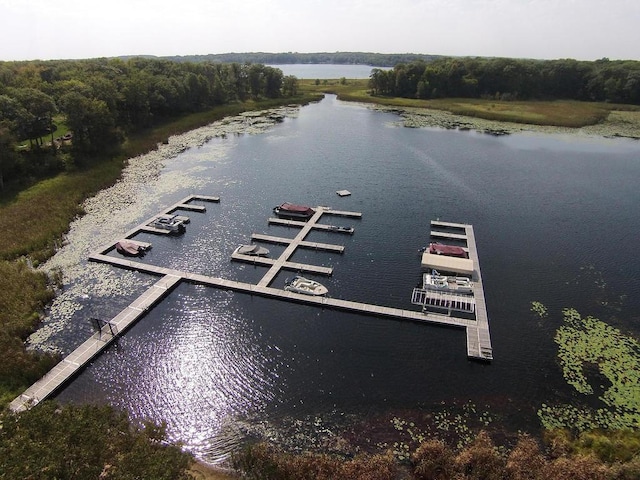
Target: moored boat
(291, 210)
(444, 283)
(252, 250)
(448, 250)
(171, 223)
(335, 228)
(131, 248)
(305, 286)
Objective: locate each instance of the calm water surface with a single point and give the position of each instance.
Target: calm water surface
(324, 71)
(556, 221)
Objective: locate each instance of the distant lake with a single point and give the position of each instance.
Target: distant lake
(556, 221)
(324, 71)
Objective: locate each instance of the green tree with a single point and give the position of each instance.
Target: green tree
(255, 79)
(91, 122)
(8, 158)
(290, 86)
(35, 120)
(272, 82)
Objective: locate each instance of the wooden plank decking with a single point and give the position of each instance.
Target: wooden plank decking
(82, 355)
(478, 336)
(286, 241)
(270, 262)
(477, 330)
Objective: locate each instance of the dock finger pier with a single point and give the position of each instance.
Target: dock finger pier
(454, 299)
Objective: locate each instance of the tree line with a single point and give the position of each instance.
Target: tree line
(101, 100)
(286, 58)
(512, 79)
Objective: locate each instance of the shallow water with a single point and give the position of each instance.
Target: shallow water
(555, 218)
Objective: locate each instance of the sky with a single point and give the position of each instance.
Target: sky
(541, 29)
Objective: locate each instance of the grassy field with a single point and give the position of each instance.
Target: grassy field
(558, 113)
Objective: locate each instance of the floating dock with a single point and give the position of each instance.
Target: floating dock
(478, 337)
(76, 360)
(477, 329)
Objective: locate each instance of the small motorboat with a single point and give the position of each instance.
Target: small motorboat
(290, 210)
(131, 248)
(252, 250)
(305, 286)
(172, 223)
(335, 228)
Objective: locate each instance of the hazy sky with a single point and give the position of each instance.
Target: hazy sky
(545, 29)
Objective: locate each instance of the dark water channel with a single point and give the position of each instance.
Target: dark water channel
(556, 221)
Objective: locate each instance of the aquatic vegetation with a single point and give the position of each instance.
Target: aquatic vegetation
(586, 343)
(539, 309)
(124, 204)
(458, 424)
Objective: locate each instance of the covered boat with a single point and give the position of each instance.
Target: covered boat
(252, 250)
(305, 286)
(449, 250)
(131, 248)
(291, 210)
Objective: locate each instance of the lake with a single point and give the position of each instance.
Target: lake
(325, 71)
(556, 221)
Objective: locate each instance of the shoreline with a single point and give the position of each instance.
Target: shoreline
(619, 124)
(127, 196)
(116, 209)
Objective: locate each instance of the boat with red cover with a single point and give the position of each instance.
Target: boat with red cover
(291, 210)
(449, 250)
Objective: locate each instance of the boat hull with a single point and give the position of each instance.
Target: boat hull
(130, 249)
(252, 250)
(306, 287)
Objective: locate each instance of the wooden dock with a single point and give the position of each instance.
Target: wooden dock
(76, 360)
(477, 329)
(286, 241)
(478, 336)
(270, 262)
(184, 204)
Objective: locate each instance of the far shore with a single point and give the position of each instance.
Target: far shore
(497, 117)
(622, 124)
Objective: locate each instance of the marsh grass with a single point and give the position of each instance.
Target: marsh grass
(558, 113)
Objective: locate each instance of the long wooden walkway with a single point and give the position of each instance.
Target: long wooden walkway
(270, 262)
(477, 330)
(277, 293)
(478, 336)
(286, 241)
(82, 355)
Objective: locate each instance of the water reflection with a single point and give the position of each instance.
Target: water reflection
(217, 365)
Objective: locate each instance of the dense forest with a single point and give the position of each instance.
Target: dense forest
(337, 58)
(512, 79)
(101, 100)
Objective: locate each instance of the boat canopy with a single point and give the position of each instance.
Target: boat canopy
(450, 250)
(447, 263)
(291, 207)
